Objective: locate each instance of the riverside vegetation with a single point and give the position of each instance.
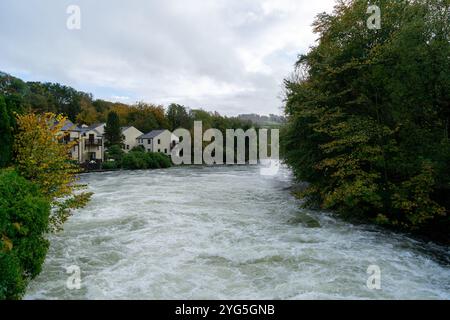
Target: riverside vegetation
(38, 189)
(369, 116)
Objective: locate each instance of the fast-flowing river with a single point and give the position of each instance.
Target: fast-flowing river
(227, 233)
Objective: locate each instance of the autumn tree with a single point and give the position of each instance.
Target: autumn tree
(43, 158)
(368, 115)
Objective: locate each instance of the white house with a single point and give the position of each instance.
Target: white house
(158, 141)
(130, 135)
(89, 141)
(93, 146)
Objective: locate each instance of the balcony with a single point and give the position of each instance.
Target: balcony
(93, 143)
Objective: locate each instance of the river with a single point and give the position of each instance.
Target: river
(227, 233)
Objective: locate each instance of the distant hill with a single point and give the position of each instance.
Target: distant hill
(263, 120)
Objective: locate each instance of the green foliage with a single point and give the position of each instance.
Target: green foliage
(178, 117)
(5, 134)
(135, 161)
(42, 97)
(139, 148)
(24, 219)
(113, 131)
(162, 160)
(110, 165)
(369, 112)
(115, 153)
(139, 159)
(41, 158)
(64, 207)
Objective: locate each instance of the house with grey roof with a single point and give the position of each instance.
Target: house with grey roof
(162, 141)
(130, 135)
(88, 141)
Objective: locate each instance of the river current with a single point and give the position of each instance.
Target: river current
(227, 233)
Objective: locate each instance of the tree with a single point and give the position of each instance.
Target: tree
(42, 158)
(88, 114)
(178, 117)
(5, 134)
(115, 153)
(368, 114)
(113, 131)
(24, 218)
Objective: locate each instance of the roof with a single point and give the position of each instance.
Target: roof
(151, 134)
(69, 126)
(91, 127)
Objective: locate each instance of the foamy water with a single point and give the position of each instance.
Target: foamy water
(226, 233)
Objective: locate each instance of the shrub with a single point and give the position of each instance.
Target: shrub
(24, 219)
(110, 165)
(163, 160)
(116, 153)
(152, 161)
(137, 158)
(134, 160)
(138, 148)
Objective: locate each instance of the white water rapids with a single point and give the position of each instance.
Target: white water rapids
(226, 233)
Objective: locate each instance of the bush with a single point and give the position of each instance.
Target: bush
(152, 161)
(139, 148)
(139, 159)
(163, 160)
(110, 165)
(24, 219)
(134, 161)
(115, 153)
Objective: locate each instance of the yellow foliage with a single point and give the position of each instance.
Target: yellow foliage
(42, 157)
(7, 243)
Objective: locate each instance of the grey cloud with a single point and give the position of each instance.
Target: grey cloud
(230, 56)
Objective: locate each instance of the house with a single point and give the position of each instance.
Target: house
(89, 144)
(158, 141)
(93, 146)
(130, 135)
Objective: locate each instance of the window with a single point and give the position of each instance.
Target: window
(159, 141)
(165, 150)
(149, 141)
(128, 147)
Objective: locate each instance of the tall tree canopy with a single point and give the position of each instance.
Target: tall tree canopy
(369, 111)
(5, 134)
(177, 116)
(113, 131)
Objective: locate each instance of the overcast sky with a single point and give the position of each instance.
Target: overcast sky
(229, 56)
